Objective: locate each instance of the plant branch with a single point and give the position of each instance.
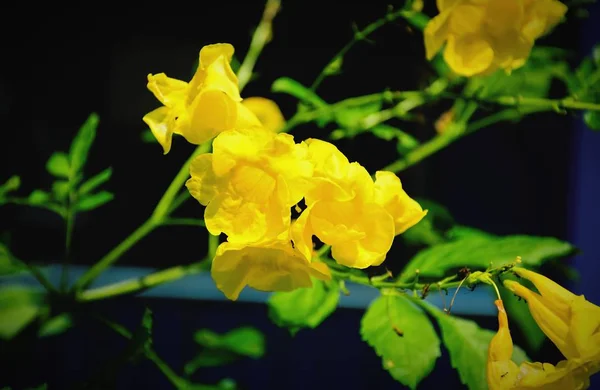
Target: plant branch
(143, 283)
(262, 35)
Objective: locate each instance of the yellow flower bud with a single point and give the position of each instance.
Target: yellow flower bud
(267, 112)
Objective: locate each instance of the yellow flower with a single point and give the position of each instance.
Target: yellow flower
(503, 374)
(249, 183)
(202, 108)
(346, 210)
(267, 112)
(267, 266)
(570, 321)
(484, 35)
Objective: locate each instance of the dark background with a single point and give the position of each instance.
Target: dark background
(63, 65)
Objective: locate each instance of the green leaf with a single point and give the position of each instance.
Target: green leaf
(210, 358)
(334, 67)
(38, 197)
(403, 336)
(518, 312)
(405, 141)
(12, 184)
(148, 137)
(19, 306)
(58, 165)
(468, 345)
(592, 119)
(430, 230)
(477, 253)
(82, 143)
(459, 232)
(304, 307)
(93, 201)
(141, 342)
(8, 263)
(299, 91)
(95, 181)
(244, 341)
(56, 325)
(60, 189)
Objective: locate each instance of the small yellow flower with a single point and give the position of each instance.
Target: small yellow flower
(249, 183)
(267, 266)
(200, 109)
(570, 321)
(267, 112)
(482, 36)
(346, 210)
(503, 374)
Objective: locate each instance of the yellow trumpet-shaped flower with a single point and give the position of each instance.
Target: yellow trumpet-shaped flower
(569, 320)
(503, 374)
(268, 266)
(267, 112)
(202, 108)
(249, 183)
(346, 210)
(482, 36)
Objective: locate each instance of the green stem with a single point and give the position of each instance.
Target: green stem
(168, 372)
(359, 36)
(260, 38)
(143, 283)
(183, 222)
(41, 278)
(213, 244)
(70, 219)
(557, 105)
(91, 274)
(60, 210)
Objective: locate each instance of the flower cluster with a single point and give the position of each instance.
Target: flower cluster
(482, 36)
(256, 174)
(569, 321)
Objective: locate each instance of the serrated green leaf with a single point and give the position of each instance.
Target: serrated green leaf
(95, 181)
(304, 307)
(299, 91)
(56, 325)
(519, 314)
(468, 345)
(58, 165)
(38, 197)
(477, 253)
(8, 263)
(12, 184)
(431, 229)
(60, 189)
(93, 201)
(19, 306)
(592, 119)
(245, 341)
(403, 336)
(459, 232)
(82, 143)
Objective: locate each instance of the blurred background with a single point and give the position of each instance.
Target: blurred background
(538, 177)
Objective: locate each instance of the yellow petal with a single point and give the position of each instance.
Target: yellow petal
(567, 374)
(240, 145)
(501, 371)
(502, 17)
(468, 55)
(252, 184)
(360, 182)
(272, 266)
(466, 19)
(203, 185)
(220, 76)
(435, 34)
(329, 162)
(160, 122)
(444, 5)
(245, 118)
(389, 193)
(168, 91)
(267, 112)
(212, 112)
(585, 328)
(301, 234)
(541, 16)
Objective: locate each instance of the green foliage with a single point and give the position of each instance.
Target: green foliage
(403, 336)
(148, 137)
(304, 307)
(58, 165)
(78, 153)
(431, 229)
(222, 349)
(8, 263)
(584, 84)
(478, 253)
(292, 87)
(19, 306)
(12, 184)
(93, 201)
(141, 342)
(468, 344)
(95, 181)
(56, 325)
